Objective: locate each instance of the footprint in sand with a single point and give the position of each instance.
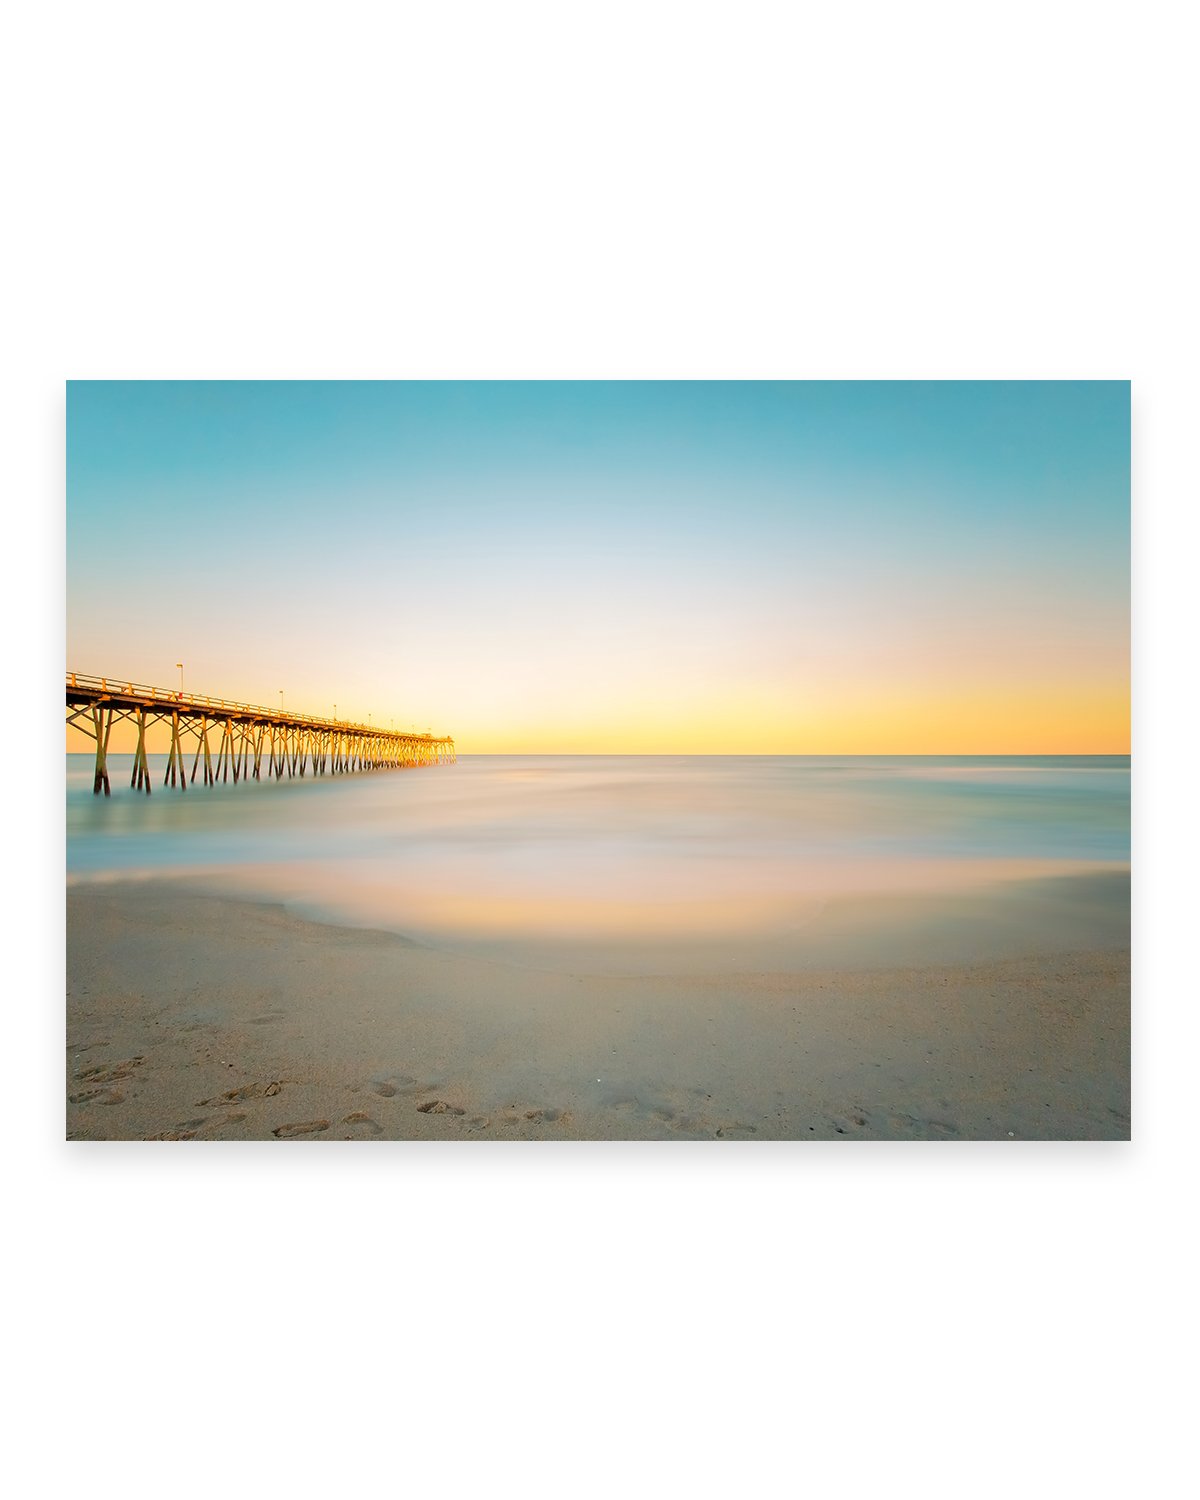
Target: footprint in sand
(97, 1096)
(246, 1091)
(359, 1117)
(236, 1096)
(736, 1130)
(545, 1116)
(439, 1107)
(109, 1072)
(303, 1127)
(186, 1130)
(388, 1085)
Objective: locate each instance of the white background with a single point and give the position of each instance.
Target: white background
(514, 189)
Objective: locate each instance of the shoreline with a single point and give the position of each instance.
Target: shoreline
(192, 1015)
(989, 912)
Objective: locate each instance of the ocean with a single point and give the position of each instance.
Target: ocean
(653, 861)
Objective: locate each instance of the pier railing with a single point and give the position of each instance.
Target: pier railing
(110, 687)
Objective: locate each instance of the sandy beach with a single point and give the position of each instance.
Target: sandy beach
(192, 1016)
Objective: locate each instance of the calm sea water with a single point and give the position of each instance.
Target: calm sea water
(501, 848)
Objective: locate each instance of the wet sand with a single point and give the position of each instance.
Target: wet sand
(193, 1016)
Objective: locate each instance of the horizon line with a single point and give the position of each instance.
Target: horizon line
(758, 754)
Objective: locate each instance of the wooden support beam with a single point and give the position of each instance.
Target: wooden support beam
(103, 729)
(141, 766)
(175, 765)
(200, 741)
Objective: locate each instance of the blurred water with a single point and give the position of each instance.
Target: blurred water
(623, 844)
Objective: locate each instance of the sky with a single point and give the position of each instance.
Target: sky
(617, 567)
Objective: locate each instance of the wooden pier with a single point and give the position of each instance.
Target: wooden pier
(250, 741)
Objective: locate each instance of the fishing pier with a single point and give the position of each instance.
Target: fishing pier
(251, 741)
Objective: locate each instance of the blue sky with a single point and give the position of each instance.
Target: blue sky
(599, 565)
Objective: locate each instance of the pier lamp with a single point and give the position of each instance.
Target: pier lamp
(179, 664)
(280, 700)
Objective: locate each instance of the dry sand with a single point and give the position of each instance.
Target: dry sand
(191, 1016)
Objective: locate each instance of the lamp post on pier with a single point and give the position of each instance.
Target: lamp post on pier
(179, 664)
